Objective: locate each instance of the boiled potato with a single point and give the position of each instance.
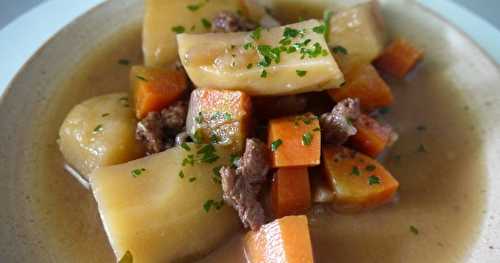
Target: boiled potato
(100, 132)
(360, 30)
(159, 209)
(226, 61)
(163, 17)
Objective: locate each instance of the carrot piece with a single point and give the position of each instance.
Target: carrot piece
(219, 116)
(364, 82)
(359, 181)
(291, 193)
(295, 141)
(399, 58)
(155, 88)
(372, 137)
(284, 240)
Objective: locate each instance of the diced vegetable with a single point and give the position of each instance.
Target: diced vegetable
(291, 193)
(359, 31)
(372, 137)
(399, 58)
(164, 19)
(295, 141)
(359, 181)
(99, 132)
(155, 88)
(279, 61)
(219, 116)
(285, 240)
(364, 82)
(167, 206)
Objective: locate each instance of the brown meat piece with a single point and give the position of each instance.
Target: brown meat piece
(157, 131)
(337, 125)
(230, 22)
(242, 185)
(273, 107)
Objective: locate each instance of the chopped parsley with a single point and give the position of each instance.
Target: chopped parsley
(327, 16)
(189, 160)
(124, 101)
(194, 7)
(249, 65)
(208, 154)
(414, 230)
(233, 160)
(355, 171)
(340, 50)
(276, 144)
(421, 149)
(301, 73)
(124, 62)
(256, 34)
(227, 116)
(321, 29)
(206, 23)
(198, 136)
(217, 205)
(421, 128)
(181, 174)
(216, 178)
(373, 180)
(371, 167)
(263, 74)
(178, 29)
(105, 115)
(199, 119)
(185, 146)
(316, 129)
(98, 128)
(307, 138)
(248, 45)
(138, 172)
(141, 78)
(192, 179)
(292, 32)
(127, 258)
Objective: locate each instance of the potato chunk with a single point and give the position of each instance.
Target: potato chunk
(167, 206)
(219, 116)
(100, 132)
(280, 61)
(163, 18)
(360, 30)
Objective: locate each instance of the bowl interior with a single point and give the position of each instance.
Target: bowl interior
(47, 217)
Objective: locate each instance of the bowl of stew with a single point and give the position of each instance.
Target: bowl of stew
(252, 131)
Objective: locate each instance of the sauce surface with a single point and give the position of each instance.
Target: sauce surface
(437, 160)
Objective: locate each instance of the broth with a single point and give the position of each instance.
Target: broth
(437, 160)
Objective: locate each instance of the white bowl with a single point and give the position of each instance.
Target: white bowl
(48, 217)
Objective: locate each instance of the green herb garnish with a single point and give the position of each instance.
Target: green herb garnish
(355, 171)
(198, 137)
(316, 129)
(276, 144)
(307, 138)
(327, 16)
(340, 50)
(185, 146)
(233, 160)
(248, 45)
(105, 115)
(141, 78)
(321, 29)
(181, 174)
(208, 154)
(206, 23)
(199, 119)
(249, 65)
(414, 230)
(255, 35)
(138, 172)
(373, 180)
(227, 116)
(216, 177)
(124, 62)
(189, 160)
(263, 74)
(370, 167)
(301, 73)
(98, 128)
(192, 179)
(178, 29)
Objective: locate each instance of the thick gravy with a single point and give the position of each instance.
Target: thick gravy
(437, 161)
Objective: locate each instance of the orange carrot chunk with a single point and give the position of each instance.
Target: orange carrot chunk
(372, 137)
(399, 58)
(364, 82)
(291, 194)
(285, 240)
(359, 181)
(295, 141)
(155, 88)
